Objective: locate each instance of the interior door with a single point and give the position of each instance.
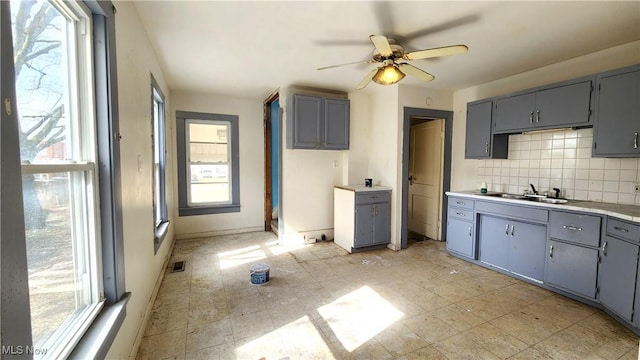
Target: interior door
(425, 178)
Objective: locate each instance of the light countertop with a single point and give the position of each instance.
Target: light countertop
(362, 188)
(621, 211)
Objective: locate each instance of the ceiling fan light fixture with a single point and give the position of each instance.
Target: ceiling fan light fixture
(388, 75)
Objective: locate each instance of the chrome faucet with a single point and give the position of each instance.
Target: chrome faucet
(535, 192)
(557, 192)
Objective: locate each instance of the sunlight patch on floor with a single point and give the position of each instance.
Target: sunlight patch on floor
(277, 248)
(359, 316)
(229, 259)
(297, 339)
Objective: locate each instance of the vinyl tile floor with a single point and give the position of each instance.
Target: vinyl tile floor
(323, 303)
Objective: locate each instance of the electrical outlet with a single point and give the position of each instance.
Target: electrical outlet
(636, 188)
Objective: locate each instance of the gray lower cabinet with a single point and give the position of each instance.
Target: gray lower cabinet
(618, 270)
(461, 238)
(480, 142)
(317, 123)
(573, 268)
(513, 245)
(565, 104)
(372, 224)
(617, 126)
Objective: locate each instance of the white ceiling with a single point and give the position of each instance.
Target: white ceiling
(249, 49)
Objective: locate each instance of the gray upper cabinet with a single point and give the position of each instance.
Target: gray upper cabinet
(557, 106)
(617, 127)
(480, 142)
(317, 123)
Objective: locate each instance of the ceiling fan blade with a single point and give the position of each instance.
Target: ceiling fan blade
(351, 63)
(436, 52)
(415, 72)
(367, 79)
(382, 44)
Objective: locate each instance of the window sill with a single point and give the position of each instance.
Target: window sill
(205, 210)
(96, 342)
(160, 234)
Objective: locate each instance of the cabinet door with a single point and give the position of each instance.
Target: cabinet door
(364, 225)
(617, 125)
(460, 237)
(336, 124)
(526, 249)
(307, 122)
(564, 106)
(478, 140)
(572, 268)
(514, 113)
(494, 241)
(618, 270)
(381, 228)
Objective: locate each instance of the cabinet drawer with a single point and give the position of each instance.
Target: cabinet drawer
(372, 197)
(461, 213)
(578, 228)
(461, 203)
(512, 211)
(623, 230)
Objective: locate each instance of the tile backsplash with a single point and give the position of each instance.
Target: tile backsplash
(562, 159)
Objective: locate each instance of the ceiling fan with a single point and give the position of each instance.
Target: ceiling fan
(392, 57)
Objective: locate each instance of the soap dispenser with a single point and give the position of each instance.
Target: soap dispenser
(483, 187)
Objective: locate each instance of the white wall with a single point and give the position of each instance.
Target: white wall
(136, 62)
(251, 133)
(464, 172)
(356, 160)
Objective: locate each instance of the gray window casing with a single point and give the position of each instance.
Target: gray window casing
(160, 231)
(183, 207)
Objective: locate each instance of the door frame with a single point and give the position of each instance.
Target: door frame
(267, 156)
(410, 112)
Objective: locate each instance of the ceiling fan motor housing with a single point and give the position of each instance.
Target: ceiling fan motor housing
(398, 52)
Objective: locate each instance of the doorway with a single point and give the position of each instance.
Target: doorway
(425, 116)
(425, 178)
(272, 141)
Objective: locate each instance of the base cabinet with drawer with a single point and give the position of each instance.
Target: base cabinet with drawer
(619, 267)
(460, 228)
(572, 257)
(362, 217)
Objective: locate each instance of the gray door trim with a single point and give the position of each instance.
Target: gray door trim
(410, 112)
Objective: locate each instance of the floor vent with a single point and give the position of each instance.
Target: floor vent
(178, 266)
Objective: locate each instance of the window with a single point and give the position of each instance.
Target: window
(159, 165)
(208, 168)
(63, 104)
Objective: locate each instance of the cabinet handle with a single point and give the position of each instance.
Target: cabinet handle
(537, 116)
(469, 231)
(635, 140)
(571, 227)
(512, 228)
(531, 118)
(621, 229)
(459, 214)
(604, 249)
(486, 148)
(376, 207)
(506, 230)
(460, 202)
(372, 211)
(551, 251)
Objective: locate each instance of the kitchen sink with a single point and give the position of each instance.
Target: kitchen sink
(536, 198)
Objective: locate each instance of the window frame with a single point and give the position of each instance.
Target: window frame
(182, 121)
(16, 328)
(158, 126)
